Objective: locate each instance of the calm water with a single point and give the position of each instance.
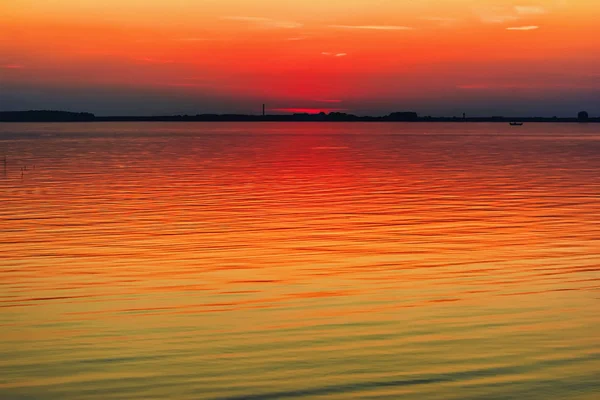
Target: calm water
(268, 261)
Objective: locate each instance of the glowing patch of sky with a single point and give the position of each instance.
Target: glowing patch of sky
(375, 56)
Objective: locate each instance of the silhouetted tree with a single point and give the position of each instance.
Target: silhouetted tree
(583, 116)
(403, 116)
(44, 116)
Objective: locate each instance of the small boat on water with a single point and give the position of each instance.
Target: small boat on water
(516, 123)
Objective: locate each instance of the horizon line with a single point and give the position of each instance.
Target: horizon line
(407, 116)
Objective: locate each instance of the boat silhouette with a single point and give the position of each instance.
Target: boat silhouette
(516, 123)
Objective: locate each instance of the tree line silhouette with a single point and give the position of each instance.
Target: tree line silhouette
(405, 116)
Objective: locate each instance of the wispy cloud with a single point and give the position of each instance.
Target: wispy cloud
(500, 15)
(523, 28)
(12, 66)
(498, 19)
(326, 53)
(374, 27)
(530, 10)
(264, 22)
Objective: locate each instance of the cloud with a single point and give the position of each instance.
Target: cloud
(374, 27)
(12, 66)
(530, 10)
(498, 19)
(523, 28)
(500, 15)
(265, 22)
(326, 53)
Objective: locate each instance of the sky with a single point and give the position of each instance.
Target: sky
(367, 57)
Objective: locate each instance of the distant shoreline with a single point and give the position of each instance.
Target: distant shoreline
(65, 116)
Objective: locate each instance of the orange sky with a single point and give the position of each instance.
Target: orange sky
(364, 56)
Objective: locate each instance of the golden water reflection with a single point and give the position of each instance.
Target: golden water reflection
(267, 261)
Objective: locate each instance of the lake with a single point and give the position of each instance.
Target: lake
(299, 260)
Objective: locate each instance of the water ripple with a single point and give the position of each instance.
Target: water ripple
(262, 261)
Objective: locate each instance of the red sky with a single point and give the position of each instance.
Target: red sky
(440, 57)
